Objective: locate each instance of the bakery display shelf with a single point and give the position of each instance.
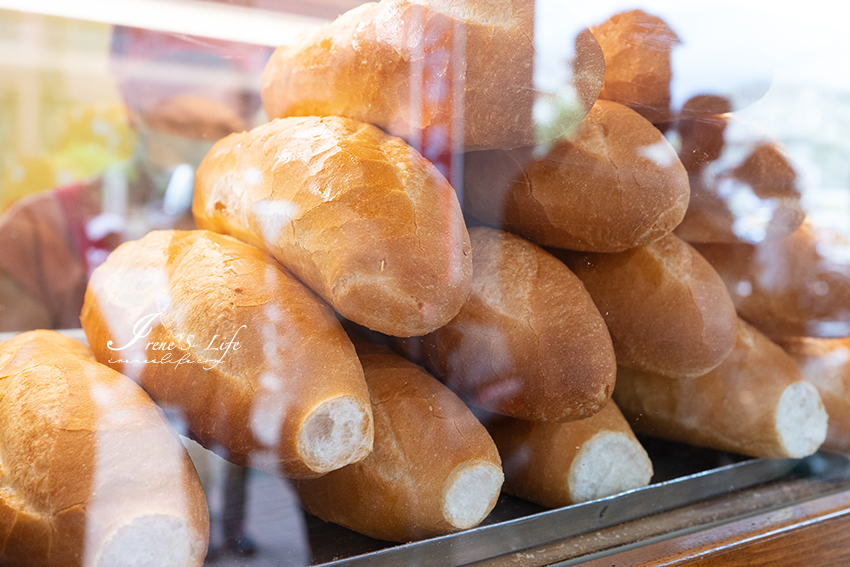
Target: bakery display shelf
(687, 481)
(683, 475)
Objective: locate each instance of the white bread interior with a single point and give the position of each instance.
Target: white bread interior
(469, 493)
(801, 420)
(609, 463)
(333, 435)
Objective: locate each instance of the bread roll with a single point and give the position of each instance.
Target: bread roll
(612, 184)
(796, 286)
(826, 364)
(529, 342)
(743, 187)
(638, 47)
(675, 64)
(434, 469)
(92, 474)
(558, 464)
(220, 334)
(360, 217)
(667, 310)
(448, 73)
(756, 403)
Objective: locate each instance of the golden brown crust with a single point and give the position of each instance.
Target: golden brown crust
(417, 69)
(826, 364)
(529, 342)
(260, 352)
(84, 452)
(637, 48)
(358, 216)
(612, 184)
(540, 458)
(666, 308)
(796, 286)
(735, 407)
(424, 435)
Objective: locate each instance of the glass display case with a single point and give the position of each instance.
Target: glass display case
(424, 282)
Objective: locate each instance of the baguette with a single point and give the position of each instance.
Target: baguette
(638, 47)
(654, 65)
(667, 310)
(826, 364)
(611, 184)
(756, 403)
(359, 217)
(434, 469)
(446, 75)
(743, 187)
(219, 333)
(796, 286)
(528, 343)
(559, 464)
(92, 474)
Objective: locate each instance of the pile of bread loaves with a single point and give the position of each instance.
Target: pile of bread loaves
(337, 271)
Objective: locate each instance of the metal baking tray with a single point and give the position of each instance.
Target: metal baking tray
(683, 475)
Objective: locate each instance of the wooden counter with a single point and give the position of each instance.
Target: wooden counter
(799, 522)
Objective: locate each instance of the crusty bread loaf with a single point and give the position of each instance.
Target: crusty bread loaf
(667, 310)
(92, 474)
(434, 468)
(612, 184)
(216, 331)
(656, 62)
(755, 403)
(558, 464)
(826, 364)
(796, 286)
(360, 217)
(743, 187)
(638, 50)
(458, 74)
(528, 343)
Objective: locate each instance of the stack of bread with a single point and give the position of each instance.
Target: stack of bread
(526, 341)
(323, 210)
(563, 265)
(545, 276)
(787, 276)
(734, 389)
(92, 473)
